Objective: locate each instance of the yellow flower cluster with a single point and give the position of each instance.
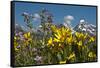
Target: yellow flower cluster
(60, 35)
(26, 41)
(61, 43)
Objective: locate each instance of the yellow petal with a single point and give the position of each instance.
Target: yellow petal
(71, 56)
(92, 39)
(15, 37)
(76, 34)
(50, 41)
(62, 62)
(90, 54)
(56, 40)
(25, 35)
(28, 34)
(80, 43)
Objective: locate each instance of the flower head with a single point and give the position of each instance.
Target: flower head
(28, 38)
(50, 41)
(79, 43)
(38, 58)
(91, 55)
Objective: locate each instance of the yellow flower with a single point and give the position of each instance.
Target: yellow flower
(69, 40)
(53, 28)
(91, 55)
(80, 35)
(61, 34)
(16, 38)
(92, 39)
(62, 62)
(58, 35)
(64, 31)
(28, 38)
(27, 35)
(56, 40)
(86, 35)
(77, 34)
(15, 45)
(79, 43)
(50, 41)
(71, 56)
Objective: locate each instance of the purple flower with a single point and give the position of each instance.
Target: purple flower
(38, 58)
(16, 34)
(18, 46)
(20, 33)
(21, 37)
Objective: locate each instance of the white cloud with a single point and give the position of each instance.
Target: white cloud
(36, 17)
(68, 17)
(67, 20)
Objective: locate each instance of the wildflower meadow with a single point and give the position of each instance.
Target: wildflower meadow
(51, 43)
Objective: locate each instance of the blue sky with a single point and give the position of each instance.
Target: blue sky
(58, 11)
